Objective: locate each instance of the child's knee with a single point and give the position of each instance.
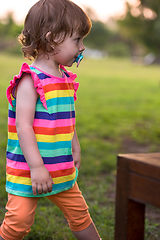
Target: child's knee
(19, 217)
(80, 222)
(15, 227)
(9, 232)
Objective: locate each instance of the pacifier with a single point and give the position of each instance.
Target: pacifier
(79, 58)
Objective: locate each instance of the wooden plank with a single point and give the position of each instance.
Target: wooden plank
(143, 157)
(122, 161)
(144, 164)
(144, 190)
(129, 215)
(135, 220)
(121, 209)
(145, 169)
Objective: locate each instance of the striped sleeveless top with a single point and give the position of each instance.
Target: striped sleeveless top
(53, 125)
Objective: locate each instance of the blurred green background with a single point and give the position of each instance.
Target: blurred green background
(117, 111)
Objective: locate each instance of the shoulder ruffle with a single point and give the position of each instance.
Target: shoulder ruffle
(25, 69)
(72, 77)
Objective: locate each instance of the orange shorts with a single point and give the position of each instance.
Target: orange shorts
(21, 211)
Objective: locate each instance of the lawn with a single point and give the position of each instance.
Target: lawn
(117, 111)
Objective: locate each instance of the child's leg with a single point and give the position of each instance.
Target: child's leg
(19, 217)
(89, 233)
(75, 209)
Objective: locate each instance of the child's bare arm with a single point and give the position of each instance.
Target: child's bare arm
(76, 150)
(26, 99)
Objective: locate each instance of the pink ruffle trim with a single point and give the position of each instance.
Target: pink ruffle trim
(37, 84)
(25, 69)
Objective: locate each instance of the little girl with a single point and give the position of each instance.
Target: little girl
(43, 152)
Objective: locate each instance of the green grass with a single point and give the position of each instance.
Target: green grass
(117, 111)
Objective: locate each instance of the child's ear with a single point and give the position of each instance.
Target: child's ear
(48, 36)
(59, 38)
(49, 40)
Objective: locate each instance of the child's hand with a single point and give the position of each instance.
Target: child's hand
(77, 159)
(41, 180)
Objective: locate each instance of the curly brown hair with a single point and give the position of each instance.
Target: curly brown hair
(59, 18)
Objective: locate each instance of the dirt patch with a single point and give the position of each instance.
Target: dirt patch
(130, 146)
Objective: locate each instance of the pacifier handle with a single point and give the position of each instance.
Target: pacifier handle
(79, 59)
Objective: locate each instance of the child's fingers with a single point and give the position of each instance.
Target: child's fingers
(50, 186)
(42, 186)
(34, 188)
(39, 188)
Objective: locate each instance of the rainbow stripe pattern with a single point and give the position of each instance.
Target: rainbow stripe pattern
(53, 125)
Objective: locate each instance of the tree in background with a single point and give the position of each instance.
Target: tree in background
(9, 32)
(142, 25)
(99, 36)
(103, 38)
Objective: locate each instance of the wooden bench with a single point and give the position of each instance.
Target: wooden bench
(138, 183)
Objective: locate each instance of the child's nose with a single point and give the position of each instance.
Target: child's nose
(82, 47)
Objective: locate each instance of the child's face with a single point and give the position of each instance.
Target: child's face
(66, 52)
